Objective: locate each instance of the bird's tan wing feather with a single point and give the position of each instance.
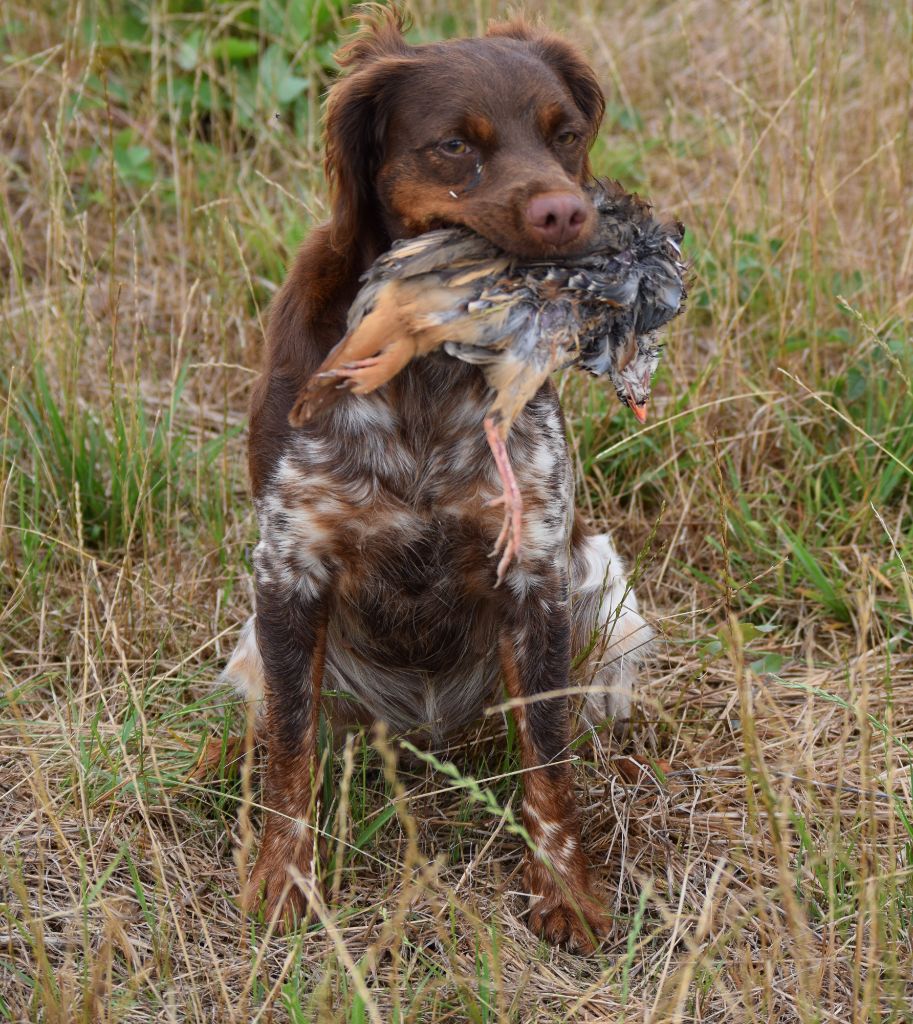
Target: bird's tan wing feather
(405, 322)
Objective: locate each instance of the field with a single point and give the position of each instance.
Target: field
(159, 164)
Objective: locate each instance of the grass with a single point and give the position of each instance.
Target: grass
(158, 165)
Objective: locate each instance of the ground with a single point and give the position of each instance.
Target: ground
(159, 164)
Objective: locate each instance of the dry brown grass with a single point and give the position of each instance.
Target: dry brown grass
(767, 874)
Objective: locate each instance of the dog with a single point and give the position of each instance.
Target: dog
(373, 575)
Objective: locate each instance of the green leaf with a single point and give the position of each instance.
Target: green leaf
(232, 48)
(856, 384)
(291, 88)
(749, 631)
(188, 53)
(376, 825)
(827, 591)
(711, 649)
(276, 76)
(768, 663)
(133, 160)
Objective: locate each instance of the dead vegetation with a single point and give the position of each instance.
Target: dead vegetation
(760, 865)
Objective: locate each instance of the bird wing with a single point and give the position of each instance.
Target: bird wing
(522, 369)
(410, 301)
(520, 346)
(438, 252)
(662, 291)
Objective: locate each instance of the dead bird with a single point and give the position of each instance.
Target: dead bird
(518, 320)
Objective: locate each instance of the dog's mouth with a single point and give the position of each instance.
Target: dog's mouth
(526, 250)
(440, 224)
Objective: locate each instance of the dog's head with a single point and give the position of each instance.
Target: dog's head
(491, 133)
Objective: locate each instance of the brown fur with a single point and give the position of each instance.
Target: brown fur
(562, 909)
(375, 521)
(291, 738)
(388, 182)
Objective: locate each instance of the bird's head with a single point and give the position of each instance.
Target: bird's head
(632, 372)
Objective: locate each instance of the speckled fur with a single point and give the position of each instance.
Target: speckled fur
(400, 536)
(375, 588)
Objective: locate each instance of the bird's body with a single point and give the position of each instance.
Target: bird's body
(518, 320)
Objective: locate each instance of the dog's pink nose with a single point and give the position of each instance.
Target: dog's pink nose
(556, 217)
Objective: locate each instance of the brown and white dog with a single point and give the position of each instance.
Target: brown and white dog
(373, 573)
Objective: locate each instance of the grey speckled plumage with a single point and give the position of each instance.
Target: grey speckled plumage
(518, 320)
(601, 311)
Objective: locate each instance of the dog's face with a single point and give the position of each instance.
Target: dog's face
(489, 133)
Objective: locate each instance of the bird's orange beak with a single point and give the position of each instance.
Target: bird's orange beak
(638, 408)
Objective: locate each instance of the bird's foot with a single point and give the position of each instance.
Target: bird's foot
(508, 543)
(509, 539)
(362, 376)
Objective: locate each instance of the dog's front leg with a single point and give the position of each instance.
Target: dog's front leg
(535, 657)
(291, 637)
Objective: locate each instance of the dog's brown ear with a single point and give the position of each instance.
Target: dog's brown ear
(566, 60)
(380, 33)
(357, 113)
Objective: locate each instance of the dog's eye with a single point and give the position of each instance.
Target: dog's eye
(454, 147)
(566, 138)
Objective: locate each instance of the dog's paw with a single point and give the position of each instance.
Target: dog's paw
(578, 923)
(219, 756)
(279, 879)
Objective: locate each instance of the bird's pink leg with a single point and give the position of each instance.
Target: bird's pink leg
(512, 531)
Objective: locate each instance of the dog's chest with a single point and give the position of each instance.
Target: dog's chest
(390, 500)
